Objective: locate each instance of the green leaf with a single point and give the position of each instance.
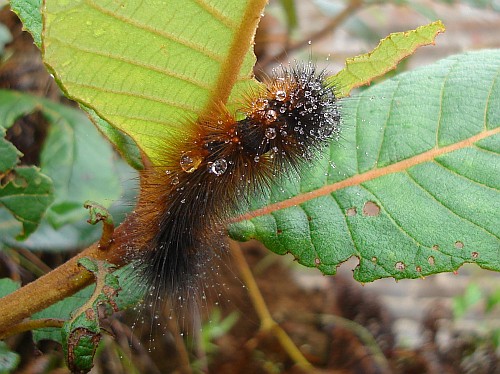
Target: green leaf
(10, 154)
(129, 295)
(60, 310)
(411, 189)
(78, 234)
(123, 143)
(29, 13)
(82, 334)
(122, 60)
(8, 359)
(471, 296)
(361, 70)
(290, 13)
(5, 37)
(7, 286)
(73, 152)
(26, 194)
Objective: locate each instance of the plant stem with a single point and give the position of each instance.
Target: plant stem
(268, 324)
(351, 7)
(32, 325)
(61, 282)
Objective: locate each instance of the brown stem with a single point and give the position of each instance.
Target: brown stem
(267, 323)
(60, 283)
(332, 25)
(32, 325)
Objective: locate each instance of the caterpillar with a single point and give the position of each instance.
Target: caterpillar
(207, 177)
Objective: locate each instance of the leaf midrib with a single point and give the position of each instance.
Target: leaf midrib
(368, 176)
(231, 67)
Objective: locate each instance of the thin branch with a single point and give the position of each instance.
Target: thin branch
(33, 324)
(352, 7)
(360, 331)
(268, 324)
(63, 281)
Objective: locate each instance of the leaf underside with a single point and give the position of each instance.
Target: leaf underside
(361, 70)
(411, 188)
(123, 60)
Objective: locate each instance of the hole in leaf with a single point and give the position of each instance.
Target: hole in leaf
(418, 269)
(400, 266)
(279, 231)
(371, 209)
(435, 247)
(431, 260)
(475, 255)
(374, 259)
(459, 245)
(351, 212)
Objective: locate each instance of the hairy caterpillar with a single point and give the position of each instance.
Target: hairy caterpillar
(206, 177)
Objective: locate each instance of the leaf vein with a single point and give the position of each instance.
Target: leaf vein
(164, 34)
(465, 177)
(489, 98)
(215, 13)
(134, 94)
(448, 208)
(391, 218)
(349, 230)
(386, 122)
(167, 72)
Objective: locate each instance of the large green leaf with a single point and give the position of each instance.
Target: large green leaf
(123, 60)
(411, 189)
(29, 12)
(26, 194)
(72, 151)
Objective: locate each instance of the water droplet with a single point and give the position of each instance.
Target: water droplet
(260, 104)
(400, 266)
(218, 167)
(280, 95)
(271, 115)
(270, 133)
(190, 161)
(175, 180)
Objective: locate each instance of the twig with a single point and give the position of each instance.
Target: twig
(359, 330)
(332, 25)
(268, 324)
(100, 214)
(32, 325)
